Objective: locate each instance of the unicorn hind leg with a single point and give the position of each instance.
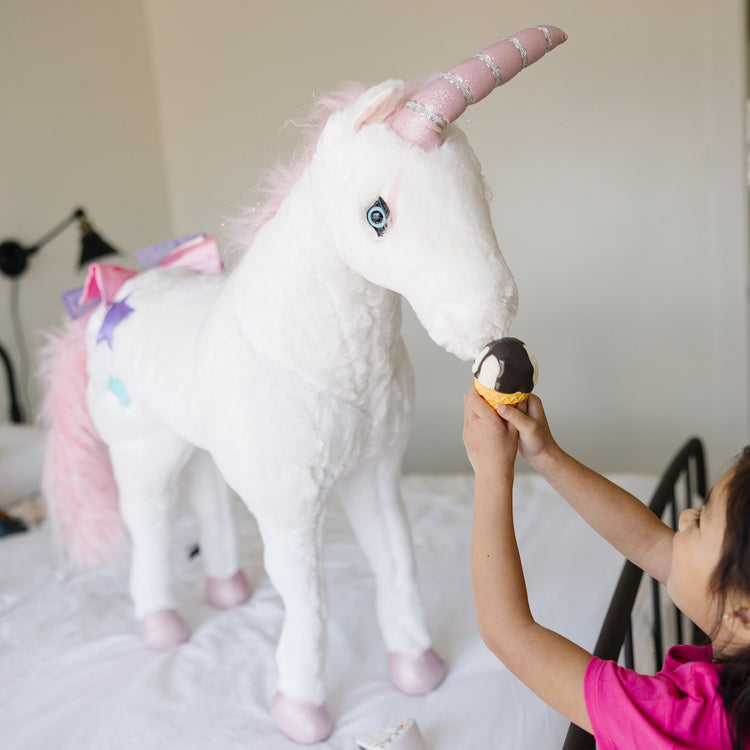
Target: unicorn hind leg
(372, 502)
(226, 585)
(146, 469)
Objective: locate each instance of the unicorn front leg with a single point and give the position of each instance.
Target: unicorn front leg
(292, 542)
(372, 502)
(146, 469)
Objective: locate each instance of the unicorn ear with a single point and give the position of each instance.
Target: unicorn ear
(378, 103)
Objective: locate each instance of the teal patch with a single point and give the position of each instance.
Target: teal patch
(116, 386)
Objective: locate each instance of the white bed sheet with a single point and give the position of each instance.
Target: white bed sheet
(75, 676)
(21, 455)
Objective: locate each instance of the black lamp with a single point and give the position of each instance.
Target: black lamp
(14, 257)
(14, 405)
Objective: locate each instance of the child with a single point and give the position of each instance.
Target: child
(701, 699)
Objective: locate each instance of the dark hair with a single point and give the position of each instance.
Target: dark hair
(732, 576)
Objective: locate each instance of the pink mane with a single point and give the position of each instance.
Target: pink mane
(276, 184)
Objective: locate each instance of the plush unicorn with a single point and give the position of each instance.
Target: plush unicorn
(288, 375)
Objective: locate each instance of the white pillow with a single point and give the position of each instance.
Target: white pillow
(21, 454)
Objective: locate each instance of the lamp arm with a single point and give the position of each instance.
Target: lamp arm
(16, 414)
(76, 215)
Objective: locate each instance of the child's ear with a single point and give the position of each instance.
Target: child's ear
(737, 619)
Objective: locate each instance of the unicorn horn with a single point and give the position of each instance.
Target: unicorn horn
(444, 99)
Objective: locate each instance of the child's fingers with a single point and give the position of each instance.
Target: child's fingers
(476, 403)
(514, 415)
(534, 406)
(471, 407)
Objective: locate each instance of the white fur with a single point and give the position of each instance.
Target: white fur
(292, 374)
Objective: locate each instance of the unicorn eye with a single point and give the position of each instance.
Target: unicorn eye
(377, 216)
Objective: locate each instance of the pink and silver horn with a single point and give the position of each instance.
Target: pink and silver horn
(445, 98)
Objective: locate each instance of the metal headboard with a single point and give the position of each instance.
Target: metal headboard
(683, 480)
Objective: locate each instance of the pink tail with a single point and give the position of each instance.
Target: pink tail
(77, 481)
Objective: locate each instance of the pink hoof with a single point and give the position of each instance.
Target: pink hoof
(416, 675)
(225, 593)
(301, 721)
(164, 629)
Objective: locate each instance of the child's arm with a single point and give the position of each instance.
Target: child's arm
(550, 665)
(619, 517)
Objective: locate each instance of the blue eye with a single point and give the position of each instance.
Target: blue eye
(377, 216)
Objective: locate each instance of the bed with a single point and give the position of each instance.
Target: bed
(74, 674)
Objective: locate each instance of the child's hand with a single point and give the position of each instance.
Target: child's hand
(534, 435)
(491, 442)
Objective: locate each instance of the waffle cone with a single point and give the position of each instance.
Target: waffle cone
(495, 398)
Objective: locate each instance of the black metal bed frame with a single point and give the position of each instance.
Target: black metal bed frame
(686, 472)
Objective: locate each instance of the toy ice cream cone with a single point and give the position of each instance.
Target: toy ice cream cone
(505, 372)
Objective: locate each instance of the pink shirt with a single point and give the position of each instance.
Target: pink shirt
(679, 707)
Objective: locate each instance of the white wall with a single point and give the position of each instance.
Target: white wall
(617, 171)
(617, 166)
(78, 126)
